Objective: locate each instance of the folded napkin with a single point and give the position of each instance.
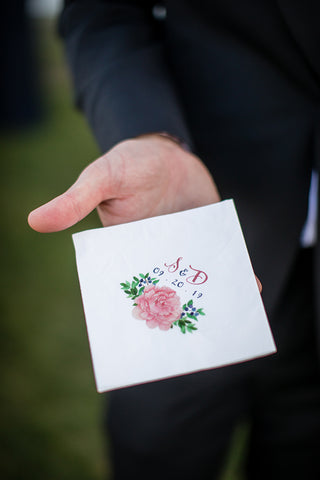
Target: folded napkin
(170, 295)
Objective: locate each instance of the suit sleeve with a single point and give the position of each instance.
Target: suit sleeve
(121, 79)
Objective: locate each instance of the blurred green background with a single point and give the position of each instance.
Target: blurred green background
(51, 422)
(51, 413)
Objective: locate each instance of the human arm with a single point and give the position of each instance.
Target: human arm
(122, 82)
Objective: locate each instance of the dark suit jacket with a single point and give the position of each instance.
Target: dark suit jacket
(238, 81)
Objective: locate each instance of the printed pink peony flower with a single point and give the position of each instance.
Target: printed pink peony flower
(159, 306)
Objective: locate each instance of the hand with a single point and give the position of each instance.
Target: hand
(147, 176)
(139, 178)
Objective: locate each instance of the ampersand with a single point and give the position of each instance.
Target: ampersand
(197, 279)
(174, 266)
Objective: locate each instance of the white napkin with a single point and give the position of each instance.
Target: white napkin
(170, 295)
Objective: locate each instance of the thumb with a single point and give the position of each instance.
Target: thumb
(77, 202)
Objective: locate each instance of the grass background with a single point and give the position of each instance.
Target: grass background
(51, 414)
